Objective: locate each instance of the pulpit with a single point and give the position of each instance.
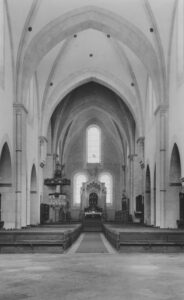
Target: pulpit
(56, 208)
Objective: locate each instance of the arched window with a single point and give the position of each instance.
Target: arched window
(2, 65)
(79, 178)
(107, 179)
(93, 144)
(180, 36)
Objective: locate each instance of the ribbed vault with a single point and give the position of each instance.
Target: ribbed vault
(79, 20)
(95, 103)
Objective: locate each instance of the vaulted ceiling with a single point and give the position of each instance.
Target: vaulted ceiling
(69, 43)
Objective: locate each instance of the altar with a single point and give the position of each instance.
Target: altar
(93, 201)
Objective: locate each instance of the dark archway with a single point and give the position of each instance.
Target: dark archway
(172, 204)
(147, 204)
(7, 203)
(154, 198)
(34, 205)
(5, 165)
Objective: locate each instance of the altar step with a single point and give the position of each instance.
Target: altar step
(92, 225)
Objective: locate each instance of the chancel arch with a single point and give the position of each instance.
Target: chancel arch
(97, 76)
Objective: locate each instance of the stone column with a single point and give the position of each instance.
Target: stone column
(124, 178)
(20, 115)
(162, 124)
(43, 163)
(140, 145)
(182, 184)
(55, 159)
(131, 183)
(43, 150)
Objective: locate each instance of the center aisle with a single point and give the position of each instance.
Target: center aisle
(91, 242)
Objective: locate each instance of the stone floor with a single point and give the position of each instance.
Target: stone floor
(85, 276)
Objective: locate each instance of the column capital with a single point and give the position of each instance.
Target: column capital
(182, 184)
(142, 164)
(141, 140)
(162, 108)
(131, 156)
(20, 107)
(55, 156)
(43, 139)
(182, 181)
(123, 167)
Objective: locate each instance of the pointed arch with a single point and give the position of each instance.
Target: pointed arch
(147, 214)
(5, 166)
(84, 76)
(154, 196)
(172, 203)
(34, 205)
(7, 205)
(175, 166)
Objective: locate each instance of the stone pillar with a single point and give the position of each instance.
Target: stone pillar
(55, 159)
(140, 151)
(20, 115)
(131, 183)
(140, 144)
(43, 150)
(124, 178)
(182, 184)
(162, 124)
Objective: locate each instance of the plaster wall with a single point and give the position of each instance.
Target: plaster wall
(175, 132)
(6, 128)
(32, 157)
(151, 145)
(7, 94)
